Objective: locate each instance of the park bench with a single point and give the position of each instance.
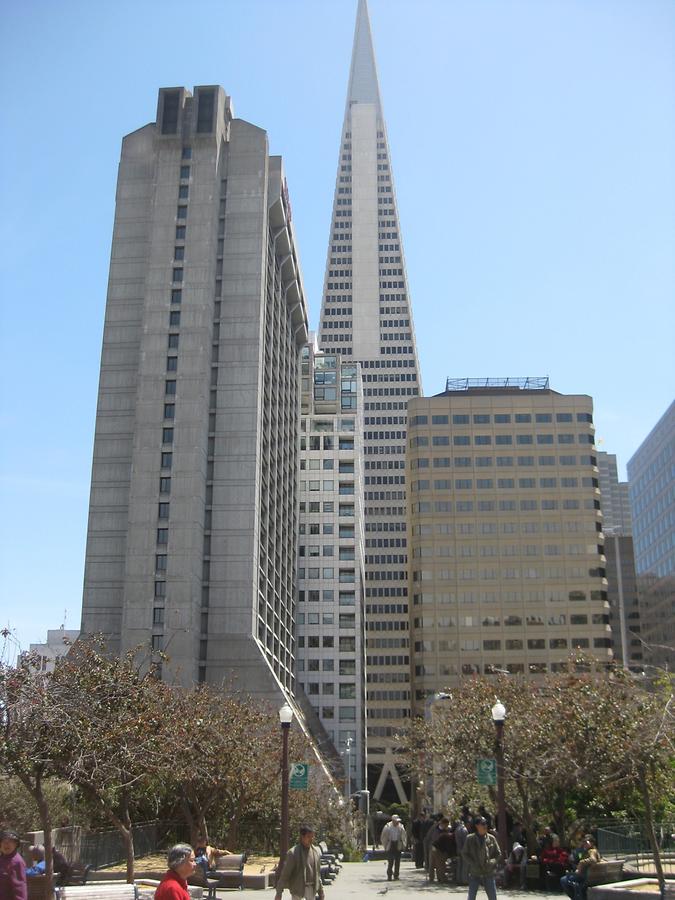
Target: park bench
(98, 890)
(228, 874)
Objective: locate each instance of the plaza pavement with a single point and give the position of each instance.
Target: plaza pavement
(369, 880)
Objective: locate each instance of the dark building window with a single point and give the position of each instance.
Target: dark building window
(205, 108)
(170, 112)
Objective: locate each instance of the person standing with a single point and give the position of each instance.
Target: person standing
(481, 854)
(441, 849)
(12, 868)
(181, 862)
(461, 834)
(393, 842)
(418, 832)
(301, 872)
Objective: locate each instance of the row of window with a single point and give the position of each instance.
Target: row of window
(502, 597)
(467, 484)
(469, 506)
(504, 574)
(534, 621)
(503, 462)
(499, 418)
(485, 440)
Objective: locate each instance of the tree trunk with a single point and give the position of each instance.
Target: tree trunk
(128, 835)
(36, 792)
(649, 822)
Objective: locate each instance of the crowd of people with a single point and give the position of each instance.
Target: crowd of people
(467, 852)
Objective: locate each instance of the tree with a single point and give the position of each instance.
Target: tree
(113, 730)
(567, 733)
(30, 733)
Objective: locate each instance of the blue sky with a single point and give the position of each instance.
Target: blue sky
(533, 148)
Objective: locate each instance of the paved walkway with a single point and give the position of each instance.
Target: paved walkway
(369, 880)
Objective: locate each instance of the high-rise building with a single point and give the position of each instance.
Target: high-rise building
(330, 657)
(624, 616)
(616, 516)
(507, 565)
(651, 479)
(193, 513)
(366, 316)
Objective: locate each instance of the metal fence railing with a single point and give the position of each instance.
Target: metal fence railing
(630, 839)
(106, 848)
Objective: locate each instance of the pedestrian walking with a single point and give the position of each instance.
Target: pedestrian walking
(393, 841)
(301, 872)
(481, 854)
(12, 868)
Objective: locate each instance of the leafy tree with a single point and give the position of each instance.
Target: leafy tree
(112, 730)
(29, 737)
(567, 735)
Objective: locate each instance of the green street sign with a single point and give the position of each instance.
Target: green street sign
(486, 770)
(299, 776)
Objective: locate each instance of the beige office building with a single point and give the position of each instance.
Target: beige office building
(507, 569)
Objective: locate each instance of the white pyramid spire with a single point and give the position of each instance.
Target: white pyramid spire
(363, 83)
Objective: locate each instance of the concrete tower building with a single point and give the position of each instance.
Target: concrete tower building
(614, 496)
(192, 522)
(330, 659)
(507, 562)
(621, 579)
(366, 317)
(651, 477)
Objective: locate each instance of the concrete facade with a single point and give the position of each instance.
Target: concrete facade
(651, 479)
(614, 496)
(507, 563)
(193, 513)
(58, 643)
(366, 316)
(330, 657)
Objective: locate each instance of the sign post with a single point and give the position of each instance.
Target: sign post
(486, 770)
(299, 776)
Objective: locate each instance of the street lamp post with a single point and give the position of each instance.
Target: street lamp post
(498, 716)
(285, 717)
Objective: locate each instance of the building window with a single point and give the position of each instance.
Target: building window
(162, 535)
(174, 318)
(167, 458)
(158, 615)
(169, 410)
(165, 485)
(163, 511)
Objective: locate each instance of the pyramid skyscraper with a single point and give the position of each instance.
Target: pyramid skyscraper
(366, 316)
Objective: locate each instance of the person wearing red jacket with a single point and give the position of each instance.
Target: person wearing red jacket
(181, 865)
(12, 868)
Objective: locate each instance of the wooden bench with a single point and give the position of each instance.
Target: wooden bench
(98, 890)
(228, 874)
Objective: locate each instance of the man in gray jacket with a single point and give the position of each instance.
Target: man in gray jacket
(481, 854)
(301, 873)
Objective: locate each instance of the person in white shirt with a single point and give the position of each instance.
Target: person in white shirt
(393, 840)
